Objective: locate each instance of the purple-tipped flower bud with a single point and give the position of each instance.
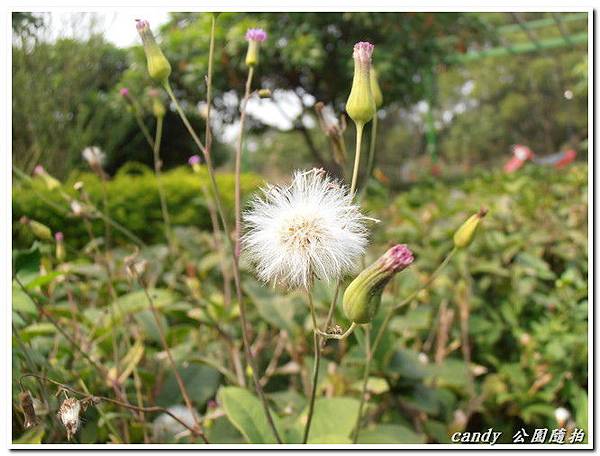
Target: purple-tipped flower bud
(50, 181)
(124, 92)
(363, 295)
(194, 162)
(158, 108)
(256, 34)
(159, 67)
(60, 246)
(254, 37)
(361, 105)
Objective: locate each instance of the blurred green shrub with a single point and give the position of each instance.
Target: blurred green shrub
(132, 200)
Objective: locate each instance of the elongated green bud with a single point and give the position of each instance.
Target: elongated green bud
(158, 108)
(363, 295)
(159, 67)
(466, 233)
(360, 105)
(38, 229)
(51, 182)
(60, 246)
(375, 90)
(255, 37)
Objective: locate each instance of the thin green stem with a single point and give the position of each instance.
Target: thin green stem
(161, 192)
(138, 118)
(364, 382)
(317, 362)
(371, 159)
(236, 275)
(238, 165)
(359, 131)
(373, 348)
(207, 157)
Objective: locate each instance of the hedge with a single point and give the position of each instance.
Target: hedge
(133, 201)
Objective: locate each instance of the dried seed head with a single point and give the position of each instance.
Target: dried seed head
(69, 415)
(28, 410)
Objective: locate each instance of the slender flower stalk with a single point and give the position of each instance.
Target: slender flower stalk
(137, 113)
(317, 362)
(159, 113)
(383, 327)
(361, 108)
(150, 47)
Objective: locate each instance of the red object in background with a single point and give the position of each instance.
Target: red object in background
(521, 154)
(567, 157)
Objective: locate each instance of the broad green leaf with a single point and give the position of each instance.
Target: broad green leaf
(333, 417)
(246, 413)
(277, 309)
(389, 433)
(201, 383)
(21, 302)
(137, 301)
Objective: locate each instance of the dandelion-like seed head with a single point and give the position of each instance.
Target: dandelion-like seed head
(94, 156)
(256, 34)
(308, 229)
(69, 415)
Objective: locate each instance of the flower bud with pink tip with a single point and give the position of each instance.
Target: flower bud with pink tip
(361, 104)
(194, 162)
(159, 67)
(255, 36)
(51, 182)
(60, 246)
(363, 296)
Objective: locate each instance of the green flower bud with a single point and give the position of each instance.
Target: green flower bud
(159, 67)
(264, 93)
(38, 229)
(360, 105)
(60, 246)
(466, 233)
(51, 182)
(363, 295)
(158, 108)
(375, 90)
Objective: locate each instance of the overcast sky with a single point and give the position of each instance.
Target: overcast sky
(118, 26)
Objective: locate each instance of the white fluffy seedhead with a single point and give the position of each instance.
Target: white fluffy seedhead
(308, 229)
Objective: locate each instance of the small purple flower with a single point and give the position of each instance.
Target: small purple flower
(363, 52)
(256, 34)
(39, 170)
(142, 25)
(194, 160)
(58, 236)
(398, 258)
(124, 91)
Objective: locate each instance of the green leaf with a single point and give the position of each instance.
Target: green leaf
(390, 433)
(246, 413)
(21, 302)
(137, 301)
(333, 418)
(201, 383)
(278, 310)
